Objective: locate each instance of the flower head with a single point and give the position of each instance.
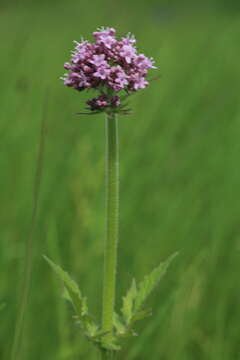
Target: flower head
(110, 66)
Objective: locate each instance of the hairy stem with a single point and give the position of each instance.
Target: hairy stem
(110, 252)
(108, 355)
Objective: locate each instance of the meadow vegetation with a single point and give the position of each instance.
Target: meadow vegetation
(179, 178)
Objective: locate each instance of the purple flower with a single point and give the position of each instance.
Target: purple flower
(108, 65)
(128, 52)
(98, 60)
(105, 37)
(143, 62)
(108, 41)
(84, 50)
(118, 78)
(138, 82)
(115, 101)
(104, 32)
(102, 102)
(102, 72)
(129, 40)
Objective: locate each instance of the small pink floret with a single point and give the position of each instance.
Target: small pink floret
(102, 73)
(128, 52)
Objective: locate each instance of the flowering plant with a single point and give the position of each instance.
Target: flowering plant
(114, 69)
(110, 66)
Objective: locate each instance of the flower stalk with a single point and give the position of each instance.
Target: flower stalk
(111, 242)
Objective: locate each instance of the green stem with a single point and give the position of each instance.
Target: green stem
(110, 253)
(105, 355)
(108, 355)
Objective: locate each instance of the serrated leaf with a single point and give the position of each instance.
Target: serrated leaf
(92, 329)
(112, 346)
(118, 324)
(66, 295)
(128, 302)
(99, 334)
(78, 301)
(150, 282)
(141, 315)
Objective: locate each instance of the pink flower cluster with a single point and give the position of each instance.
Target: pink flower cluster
(103, 101)
(109, 65)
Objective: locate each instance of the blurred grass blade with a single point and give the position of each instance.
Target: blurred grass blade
(27, 271)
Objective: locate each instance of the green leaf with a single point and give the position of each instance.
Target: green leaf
(78, 301)
(141, 315)
(150, 282)
(86, 322)
(92, 329)
(118, 324)
(99, 334)
(128, 302)
(112, 346)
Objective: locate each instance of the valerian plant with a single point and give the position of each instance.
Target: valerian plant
(115, 70)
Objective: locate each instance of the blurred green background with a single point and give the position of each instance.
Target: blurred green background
(179, 177)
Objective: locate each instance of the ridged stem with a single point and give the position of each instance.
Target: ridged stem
(110, 251)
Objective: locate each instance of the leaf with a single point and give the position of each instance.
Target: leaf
(66, 295)
(150, 282)
(78, 301)
(141, 315)
(99, 334)
(112, 346)
(128, 302)
(118, 324)
(92, 329)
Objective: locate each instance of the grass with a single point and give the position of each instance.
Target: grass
(179, 179)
